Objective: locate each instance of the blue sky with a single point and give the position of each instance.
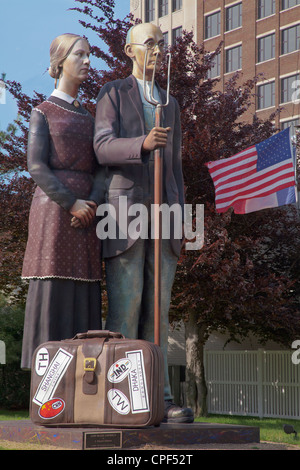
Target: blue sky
(27, 28)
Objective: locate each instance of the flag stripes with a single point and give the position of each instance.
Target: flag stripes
(237, 178)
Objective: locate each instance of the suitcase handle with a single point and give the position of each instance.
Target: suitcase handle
(91, 350)
(98, 334)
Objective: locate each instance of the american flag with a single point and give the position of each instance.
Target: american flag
(259, 177)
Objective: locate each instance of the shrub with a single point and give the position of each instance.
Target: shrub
(14, 382)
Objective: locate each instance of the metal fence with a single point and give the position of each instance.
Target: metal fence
(254, 383)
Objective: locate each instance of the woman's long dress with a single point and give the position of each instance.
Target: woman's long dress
(62, 263)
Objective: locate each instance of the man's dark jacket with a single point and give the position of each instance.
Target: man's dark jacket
(118, 139)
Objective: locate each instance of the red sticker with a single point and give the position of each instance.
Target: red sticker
(52, 408)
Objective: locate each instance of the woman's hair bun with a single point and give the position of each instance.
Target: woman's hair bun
(52, 72)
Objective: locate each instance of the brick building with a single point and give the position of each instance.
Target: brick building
(258, 36)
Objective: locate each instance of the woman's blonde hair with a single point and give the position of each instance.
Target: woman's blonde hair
(60, 48)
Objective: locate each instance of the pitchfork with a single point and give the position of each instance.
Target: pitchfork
(158, 173)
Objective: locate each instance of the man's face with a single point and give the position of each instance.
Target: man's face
(142, 36)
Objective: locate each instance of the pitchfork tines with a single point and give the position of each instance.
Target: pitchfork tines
(151, 99)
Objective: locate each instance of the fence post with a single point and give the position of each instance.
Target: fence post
(260, 378)
(2, 353)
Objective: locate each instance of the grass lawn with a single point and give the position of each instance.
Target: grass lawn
(6, 415)
(271, 429)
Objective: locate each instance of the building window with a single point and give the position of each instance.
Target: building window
(212, 25)
(292, 123)
(176, 5)
(266, 95)
(234, 17)
(233, 59)
(289, 4)
(266, 48)
(290, 39)
(265, 8)
(150, 10)
(289, 87)
(176, 33)
(215, 70)
(166, 39)
(163, 7)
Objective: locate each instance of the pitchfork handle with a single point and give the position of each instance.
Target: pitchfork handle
(158, 169)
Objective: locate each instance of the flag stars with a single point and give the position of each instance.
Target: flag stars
(274, 150)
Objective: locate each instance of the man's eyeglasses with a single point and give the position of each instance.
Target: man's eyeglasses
(150, 45)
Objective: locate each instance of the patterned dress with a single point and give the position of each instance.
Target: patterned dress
(62, 263)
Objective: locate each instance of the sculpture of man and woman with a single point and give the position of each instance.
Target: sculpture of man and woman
(79, 162)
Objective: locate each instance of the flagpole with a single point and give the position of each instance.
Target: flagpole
(297, 127)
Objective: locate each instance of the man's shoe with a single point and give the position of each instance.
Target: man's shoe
(175, 414)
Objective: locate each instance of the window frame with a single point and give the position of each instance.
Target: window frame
(286, 41)
(261, 5)
(227, 20)
(283, 8)
(295, 122)
(174, 35)
(240, 58)
(287, 89)
(163, 8)
(266, 105)
(261, 51)
(176, 5)
(206, 28)
(149, 10)
(216, 66)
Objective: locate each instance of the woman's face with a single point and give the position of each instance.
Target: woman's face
(75, 67)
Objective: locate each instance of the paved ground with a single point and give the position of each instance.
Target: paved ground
(9, 445)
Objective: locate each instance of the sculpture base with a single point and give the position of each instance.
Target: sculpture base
(88, 438)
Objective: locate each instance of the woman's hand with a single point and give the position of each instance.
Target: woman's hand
(83, 213)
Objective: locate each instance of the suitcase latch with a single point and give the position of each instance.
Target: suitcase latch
(90, 364)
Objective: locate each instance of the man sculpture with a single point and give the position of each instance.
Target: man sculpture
(124, 141)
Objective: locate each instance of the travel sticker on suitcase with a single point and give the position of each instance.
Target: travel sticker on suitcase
(52, 375)
(132, 367)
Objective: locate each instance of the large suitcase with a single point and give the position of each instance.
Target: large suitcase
(97, 378)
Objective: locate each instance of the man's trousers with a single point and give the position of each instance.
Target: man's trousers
(130, 290)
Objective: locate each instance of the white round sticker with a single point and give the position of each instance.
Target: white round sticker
(118, 401)
(41, 361)
(119, 370)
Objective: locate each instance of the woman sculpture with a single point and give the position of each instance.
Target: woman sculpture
(62, 262)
